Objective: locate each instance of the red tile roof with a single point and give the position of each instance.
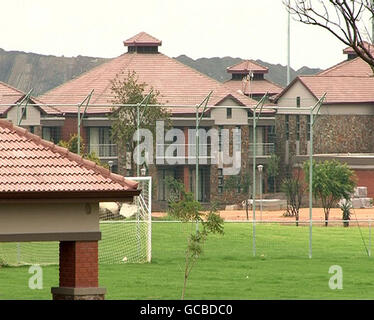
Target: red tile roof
(341, 89)
(350, 81)
(355, 68)
(247, 66)
(30, 165)
(142, 39)
(10, 96)
(256, 87)
(367, 46)
(177, 83)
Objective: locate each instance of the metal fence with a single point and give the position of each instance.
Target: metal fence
(276, 239)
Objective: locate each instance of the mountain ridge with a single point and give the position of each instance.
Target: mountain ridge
(26, 70)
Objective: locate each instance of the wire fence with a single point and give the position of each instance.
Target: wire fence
(341, 239)
(277, 239)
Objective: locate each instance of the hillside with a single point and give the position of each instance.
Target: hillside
(41, 72)
(44, 72)
(216, 68)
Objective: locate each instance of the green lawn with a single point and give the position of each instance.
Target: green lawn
(228, 270)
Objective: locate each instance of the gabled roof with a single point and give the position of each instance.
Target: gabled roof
(177, 83)
(257, 87)
(354, 68)
(338, 90)
(34, 168)
(142, 39)
(247, 66)
(10, 96)
(341, 89)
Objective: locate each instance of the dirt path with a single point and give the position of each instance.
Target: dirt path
(335, 214)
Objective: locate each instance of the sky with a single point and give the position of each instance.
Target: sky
(247, 29)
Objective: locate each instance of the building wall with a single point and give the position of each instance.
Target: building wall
(344, 134)
(48, 217)
(239, 116)
(32, 116)
(70, 127)
(297, 90)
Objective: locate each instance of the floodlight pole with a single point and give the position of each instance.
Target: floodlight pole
(25, 98)
(312, 122)
(288, 45)
(87, 100)
(260, 105)
(204, 103)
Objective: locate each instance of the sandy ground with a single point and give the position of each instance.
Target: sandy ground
(335, 214)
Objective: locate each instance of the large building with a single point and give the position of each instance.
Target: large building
(344, 127)
(179, 85)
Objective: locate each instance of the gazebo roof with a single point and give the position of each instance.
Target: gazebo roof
(32, 168)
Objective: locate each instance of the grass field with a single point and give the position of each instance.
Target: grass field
(228, 270)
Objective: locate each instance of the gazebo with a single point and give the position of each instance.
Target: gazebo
(50, 194)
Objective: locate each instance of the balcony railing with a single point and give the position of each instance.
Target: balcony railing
(185, 151)
(262, 149)
(103, 150)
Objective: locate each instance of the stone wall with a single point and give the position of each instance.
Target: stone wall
(344, 134)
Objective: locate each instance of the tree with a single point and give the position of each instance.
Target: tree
(332, 181)
(294, 188)
(346, 20)
(72, 146)
(127, 90)
(272, 168)
(189, 210)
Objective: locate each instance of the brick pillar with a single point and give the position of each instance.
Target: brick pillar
(79, 272)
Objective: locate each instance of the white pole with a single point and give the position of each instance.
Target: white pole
(149, 242)
(288, 46)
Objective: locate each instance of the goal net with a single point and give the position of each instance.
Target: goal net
(126, 231)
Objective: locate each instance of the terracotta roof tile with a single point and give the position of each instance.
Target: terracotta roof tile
(341, 89)
(142, 39)
(247, 66)
(177, 83)
(367, 46)
(10, 96)
(30, 164)
(257, 87)
(354, 68)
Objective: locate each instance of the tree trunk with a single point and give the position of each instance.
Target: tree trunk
(326, 218)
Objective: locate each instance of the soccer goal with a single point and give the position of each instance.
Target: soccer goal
(126, 235)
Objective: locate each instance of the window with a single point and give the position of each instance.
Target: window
(287, 127)
(298, 127)
(229, 113)
(237, 141)
(237, 76)
(32, 129)
(220, 181)
(258, 76)
(298, 102)
(100, 142)
(52, 134)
